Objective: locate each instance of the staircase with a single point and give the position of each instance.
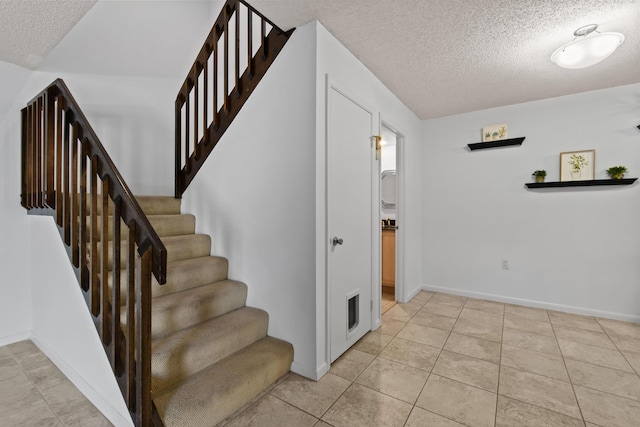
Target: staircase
(183, 346)
(210, 352)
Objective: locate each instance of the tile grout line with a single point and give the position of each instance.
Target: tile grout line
(352, 382)
(55, 413)
(564, 362)
(438, 358)
(618, 348)
(495, 420)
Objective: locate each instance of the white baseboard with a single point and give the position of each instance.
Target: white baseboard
(308, 371)
(415, 292)
(10, 339)
(585, 311)
(98, 400)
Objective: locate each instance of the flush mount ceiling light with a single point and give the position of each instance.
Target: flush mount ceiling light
(586, 50)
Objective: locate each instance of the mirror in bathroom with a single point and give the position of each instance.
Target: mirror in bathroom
(388, 189)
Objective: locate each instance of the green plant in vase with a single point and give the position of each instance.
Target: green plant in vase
(540, 175)
(577, 162)
(487, 136)
(617, 172)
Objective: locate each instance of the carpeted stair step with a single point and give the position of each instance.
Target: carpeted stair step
(159, 205)
(182, 275)
(180, 310)
(165, 225)
(151, 205)
(187, 246)
(178, 248)
(187, 351)
(205, 399)
(173, 225)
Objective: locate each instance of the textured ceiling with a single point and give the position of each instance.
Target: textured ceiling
(443, 57)
(440, 57)
(30, 29)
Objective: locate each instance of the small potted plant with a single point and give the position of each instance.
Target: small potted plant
(540, 174)
(617, 172)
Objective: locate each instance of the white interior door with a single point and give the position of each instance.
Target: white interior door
(350, 161)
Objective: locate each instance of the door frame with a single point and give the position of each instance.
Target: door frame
(375, 212)
(400, 197)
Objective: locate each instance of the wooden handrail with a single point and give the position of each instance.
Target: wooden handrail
(66, 173)
(215, 89)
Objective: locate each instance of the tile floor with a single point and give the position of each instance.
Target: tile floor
(444, 360)
(33, 392)
(440, 360)
(388, 299)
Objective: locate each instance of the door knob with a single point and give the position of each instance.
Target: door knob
(337, 241)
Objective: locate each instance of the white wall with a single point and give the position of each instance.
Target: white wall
(569, 249)
(261, 193)
(62, 326)
(255, 197)
(348, 73)
(15, 292)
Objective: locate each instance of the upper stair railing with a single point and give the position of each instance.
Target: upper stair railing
(237, 53)
(67, 173)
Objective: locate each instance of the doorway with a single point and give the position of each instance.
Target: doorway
(388, 215)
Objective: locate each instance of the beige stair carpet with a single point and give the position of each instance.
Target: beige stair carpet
(210, 352)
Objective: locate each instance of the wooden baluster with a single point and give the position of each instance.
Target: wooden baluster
(94, 257)
(49, 105)
(76, 218)
(226, 60)
(237, 50)
(205, 98)
(187, 125)
(216, 111)
(84, 235)
(104, 265)
(130, 362)
(250, 61)
(196, 118)
(39, 147)
(66, 176)
(59, 188)
(32, 157)
(179, 176)
(24, 159)
(143, 333)
(28, 165)
(114, 355)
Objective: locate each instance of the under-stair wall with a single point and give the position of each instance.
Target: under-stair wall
(255, 196)
(62, 326)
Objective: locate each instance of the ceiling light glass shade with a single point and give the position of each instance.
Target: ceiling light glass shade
(586, 50)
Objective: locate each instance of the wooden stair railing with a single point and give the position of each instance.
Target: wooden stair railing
(237, 53)
(66, 173)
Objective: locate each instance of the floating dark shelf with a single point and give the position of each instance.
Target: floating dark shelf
(624, 181)
(496, 144)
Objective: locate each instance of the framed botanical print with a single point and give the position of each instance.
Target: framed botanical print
(577, 165)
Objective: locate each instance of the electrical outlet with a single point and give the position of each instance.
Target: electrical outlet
(505, 264)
